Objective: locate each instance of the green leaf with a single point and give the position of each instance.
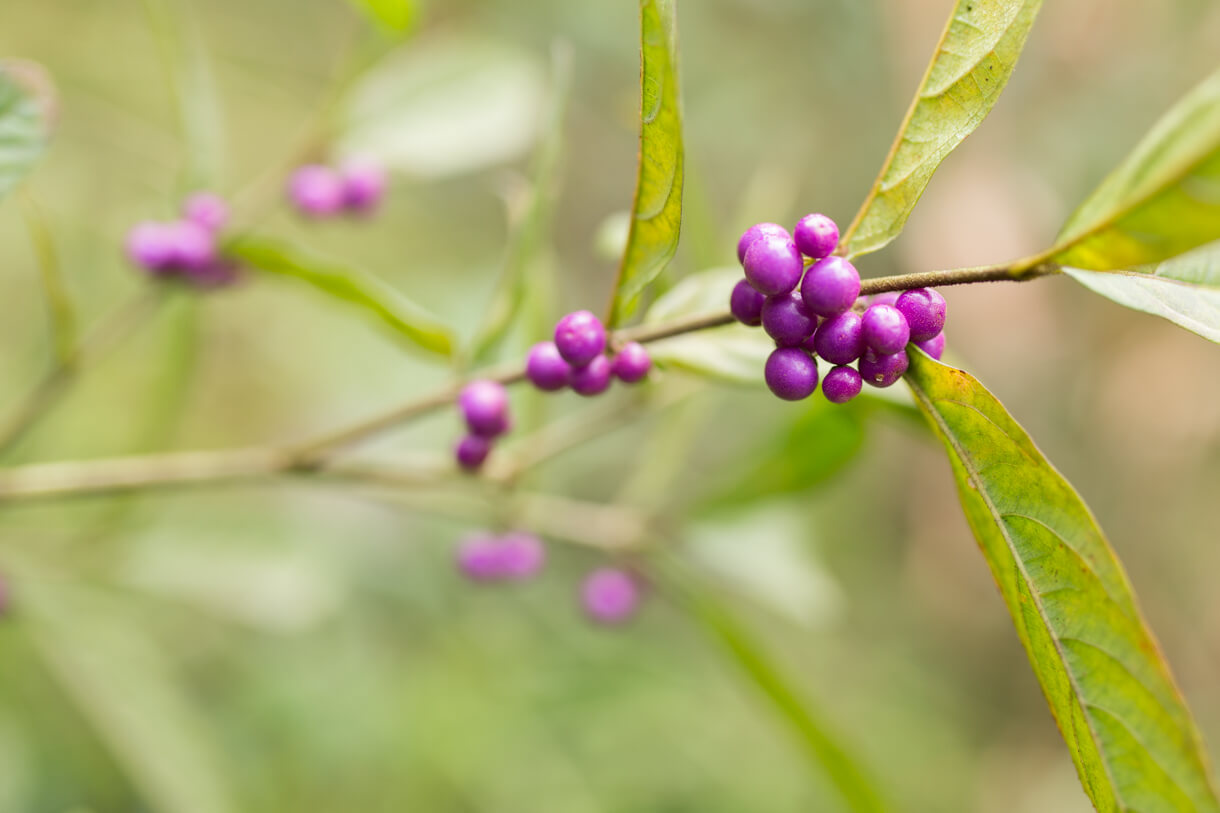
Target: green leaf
(59, 303)
(1128, 729)
(370, 295)
(27, 119)
(657, 210)
(394, 16)
(976, 55)
(1163, 200)
(1184, 290)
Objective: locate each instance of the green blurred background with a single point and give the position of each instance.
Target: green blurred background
(289, 647)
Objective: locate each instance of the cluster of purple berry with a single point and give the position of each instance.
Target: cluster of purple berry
(485, 409)
(608, 595)
(819, 312)
(577, 358)
(185, 248)
(355, 187)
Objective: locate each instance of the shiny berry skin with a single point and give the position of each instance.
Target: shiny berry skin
(885, 329)
(934, 347)
(208, 210)
(316, 190)
(924, 310)
(593, 378)
(787, 320)
(471, 451)
(151, 246)
(580, 338)
(746, 304)
(842, 384)
(831, 286)
(484, 407)
(773, 265)
(816, 236)
(364, 184)
(610, 595)
(754, 232)
(791, 373)
(194, 246)
(840, 339)
(883, 370)
(546, 369)
(631, 363)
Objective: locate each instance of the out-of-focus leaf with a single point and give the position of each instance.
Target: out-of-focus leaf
(59, 303)
(446, 107)
(972, 64)
(28, 105)
(1129, 732)
(1163, 200)
(368, 294)
(1184, 290)
(657, 210)
(394, 16)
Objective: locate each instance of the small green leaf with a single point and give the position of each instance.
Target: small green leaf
(370, 295)
(976, 55)
(657, 210)
(27, 118)
(393, 15)
(1128, 729)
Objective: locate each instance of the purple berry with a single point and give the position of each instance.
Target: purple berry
(364, 184)
(884, 298)
(610, 595)
(546, 369)
(484, 406)
(194, 246)
(316, 190)
(883, 370)
(816, 236)
(885, 329)
(773, 265)
(471, 451)
(151, 246)
(208, 210)
(840, 339)
(478, 557)
(831, 286)
(580, 338)
(522, 555)
(787, 320)
(934, 347)
(756, 231)
(791, 373)
(631, 363)
(746, 304)
(924, 310)
(841, 385)
(593, 378)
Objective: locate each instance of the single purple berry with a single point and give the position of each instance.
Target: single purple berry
(885, 329)
(479, 558)
(631, 363)
(816, 236)
(924, 310)
(746, 304)
(593, 378)
(610, 595)
(522, 555)
(316, 190)
(546, 369)
(883, 370)
(194, 246)
(787, 320)
(484, 406)
(831, 286)
(206, 209)
(151, 246)
(773, 265)
(840, 339)
(754, 232)
(791, 373)
(364, 184)
(580, 338)
(934, 347)
(471, 451)
(841, 384)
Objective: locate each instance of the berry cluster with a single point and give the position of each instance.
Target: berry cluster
(819, 312)
(185, 248)
(484, 408)
(355, 187)
(577, 358)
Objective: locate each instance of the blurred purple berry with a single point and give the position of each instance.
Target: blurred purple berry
(546, 369)
(816, 236)
(364, 184)
(885, 329)
(207, 209)
(471, 451)
(610, 595)
(522, 555)
(631, 363)
(484, 407)
(754, 232)
(842, 384)
(831, 286)
(479, 557)
(840, 339)
(580, 338)
(746, 304)
(773, 265)
(787, 320)
(593, 378)
(883, 370)
(934, 347)
(150, 245)
(316, 190)
(924, 310)
(791, 373)
(194, 246)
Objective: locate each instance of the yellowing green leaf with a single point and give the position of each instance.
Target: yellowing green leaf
(27, 119)
(392, 15)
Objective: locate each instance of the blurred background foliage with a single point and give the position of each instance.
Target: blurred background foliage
(293, 647)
